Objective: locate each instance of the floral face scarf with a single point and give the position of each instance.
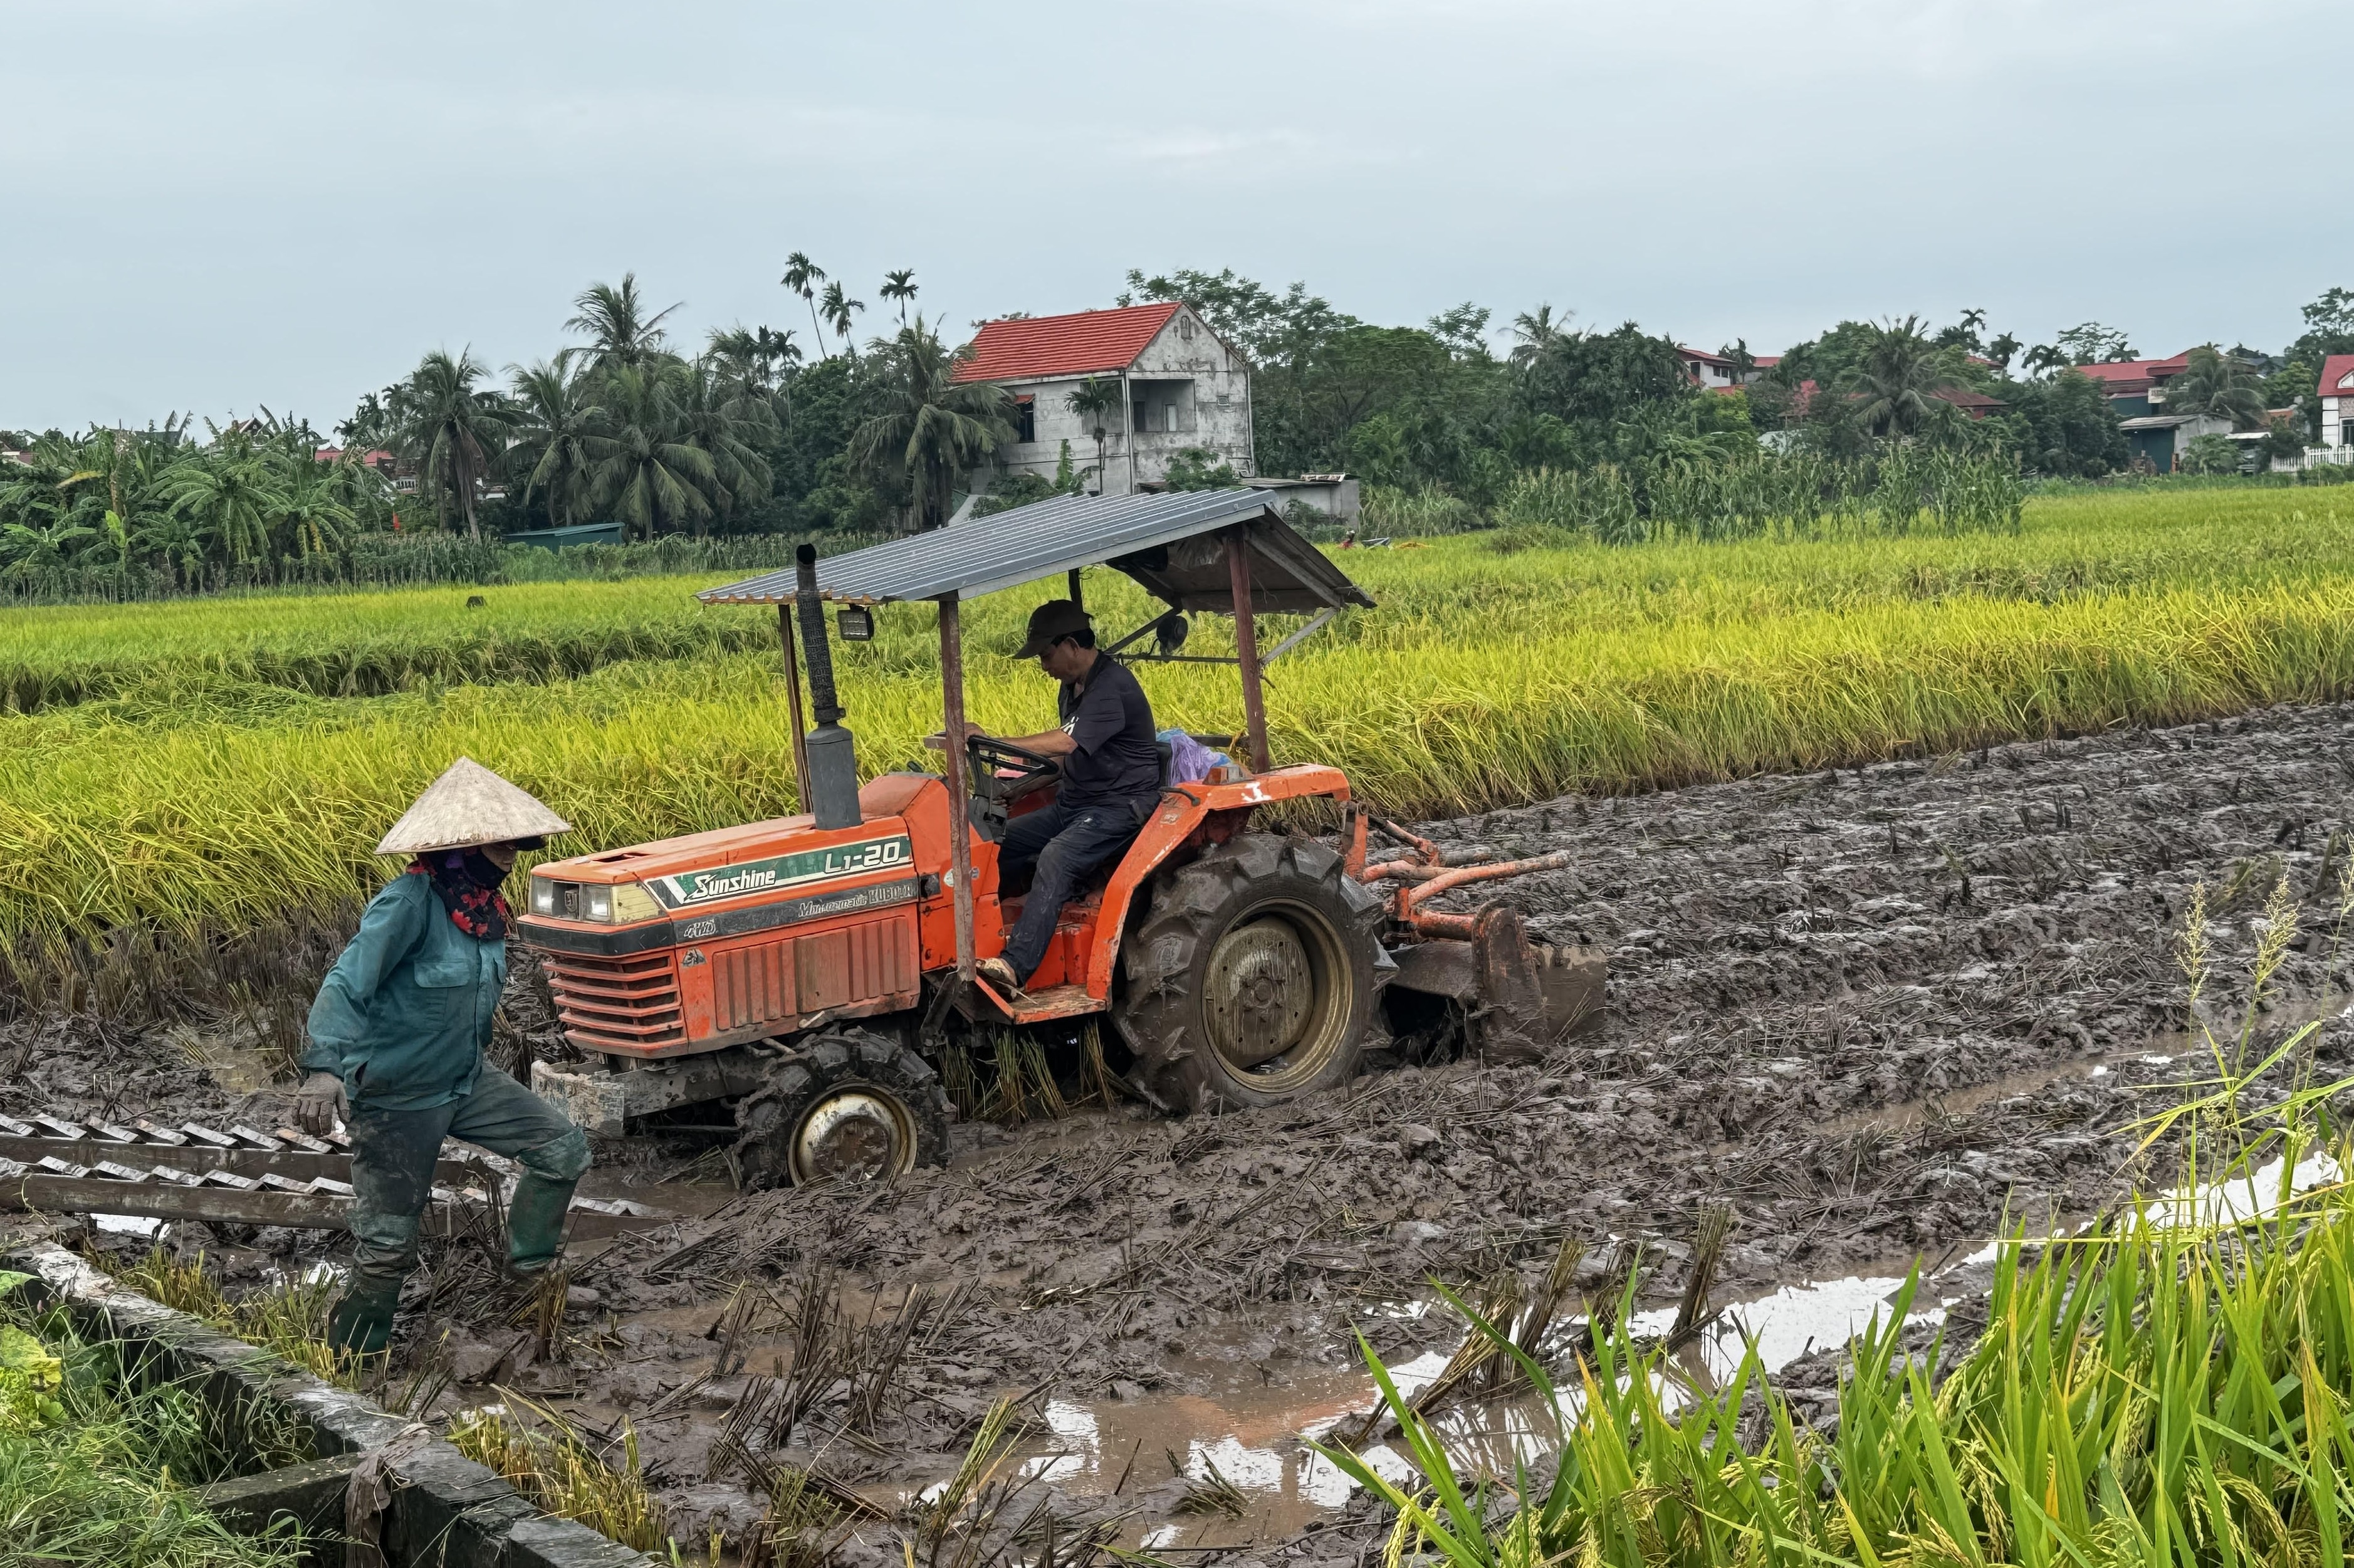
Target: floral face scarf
(467, 882)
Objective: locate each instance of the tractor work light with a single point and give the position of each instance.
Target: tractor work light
(855, 622)
(616, 904)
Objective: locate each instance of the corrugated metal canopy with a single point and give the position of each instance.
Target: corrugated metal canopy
(1166, 543)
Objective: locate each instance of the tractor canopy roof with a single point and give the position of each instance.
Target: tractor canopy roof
(1175, 544)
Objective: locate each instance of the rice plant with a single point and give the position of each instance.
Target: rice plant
(2173, 1384)
(288, 1320)
(552, 1464)
(356, 644)
(193, 808)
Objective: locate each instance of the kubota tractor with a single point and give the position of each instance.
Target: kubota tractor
(804, 972)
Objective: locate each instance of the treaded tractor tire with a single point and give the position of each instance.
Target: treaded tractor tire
(846, 1102)
(1250, 981)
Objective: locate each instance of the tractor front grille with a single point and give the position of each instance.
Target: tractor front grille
(617, 1004)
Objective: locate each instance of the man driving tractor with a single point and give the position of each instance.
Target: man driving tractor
(1111, 783)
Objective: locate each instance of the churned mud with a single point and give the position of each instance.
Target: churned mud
(1875, 1014)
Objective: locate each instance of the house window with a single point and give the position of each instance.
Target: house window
(1185, 328)
(1026, 420)
(1163, 407)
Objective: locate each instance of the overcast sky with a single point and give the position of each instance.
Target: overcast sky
(214, 205)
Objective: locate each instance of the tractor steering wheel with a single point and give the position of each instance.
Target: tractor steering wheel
(1002, 771)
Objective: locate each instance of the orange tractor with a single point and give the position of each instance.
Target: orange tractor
(806, 972)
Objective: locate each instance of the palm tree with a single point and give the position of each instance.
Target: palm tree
(776, 350)
(725, 422)
(1539, 334)
(838, 307)
(369, 427)
(229, 493)
(734, 354)
(178, 545)
(616, 323)
(310, 518)
(641, 469)
(450, 429)
(2216, 384)
(33, 552)
(802, 276)
(931, 428)
(556, 416)
(2044, 357)
(1898, 380)
(900, 286)
(1096, 401)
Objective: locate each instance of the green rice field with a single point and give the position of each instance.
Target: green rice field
(217, 763)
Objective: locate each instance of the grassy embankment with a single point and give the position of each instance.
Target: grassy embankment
(207, 781)
(97, 1454)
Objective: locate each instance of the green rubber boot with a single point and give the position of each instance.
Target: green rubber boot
(361, 1323)
(536, 1225)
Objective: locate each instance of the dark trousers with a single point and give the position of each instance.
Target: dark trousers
(392, 1166)
(1065, 842)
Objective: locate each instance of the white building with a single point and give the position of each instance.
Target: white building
(1179, 388)
(2336, 391)
(1720, 373)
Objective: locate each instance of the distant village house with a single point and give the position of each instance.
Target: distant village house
(1181, 387)
(2336, 391)
(1720, 373)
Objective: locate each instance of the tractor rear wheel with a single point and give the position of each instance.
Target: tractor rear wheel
(847, 1102)
(1250, 981)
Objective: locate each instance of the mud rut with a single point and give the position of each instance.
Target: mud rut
(1859, 1007)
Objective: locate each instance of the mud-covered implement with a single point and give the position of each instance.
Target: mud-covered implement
(805, 970)
(192, 1171)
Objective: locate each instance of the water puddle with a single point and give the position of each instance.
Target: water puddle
(234, 1058)
(1253, 1430)
(2247, 1197)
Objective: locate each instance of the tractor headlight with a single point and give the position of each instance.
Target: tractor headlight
(597, 904)
(543, 896)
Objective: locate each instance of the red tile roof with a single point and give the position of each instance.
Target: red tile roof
(1075, 345)
(2125, 376)
(2334, 369)
(1976, 405)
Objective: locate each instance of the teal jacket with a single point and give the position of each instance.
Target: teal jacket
(403, 1016)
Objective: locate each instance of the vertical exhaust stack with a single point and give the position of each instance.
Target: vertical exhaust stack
(832, 754)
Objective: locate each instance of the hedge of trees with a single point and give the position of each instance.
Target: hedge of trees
(754, 435)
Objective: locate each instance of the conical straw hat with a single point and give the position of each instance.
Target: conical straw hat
(467, 806)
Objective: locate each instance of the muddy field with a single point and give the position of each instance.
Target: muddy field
(1871, 1012)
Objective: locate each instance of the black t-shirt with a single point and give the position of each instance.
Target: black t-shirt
(1117, 757)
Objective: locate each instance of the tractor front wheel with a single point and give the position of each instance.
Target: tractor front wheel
(845, 1104)
(1250, 981)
